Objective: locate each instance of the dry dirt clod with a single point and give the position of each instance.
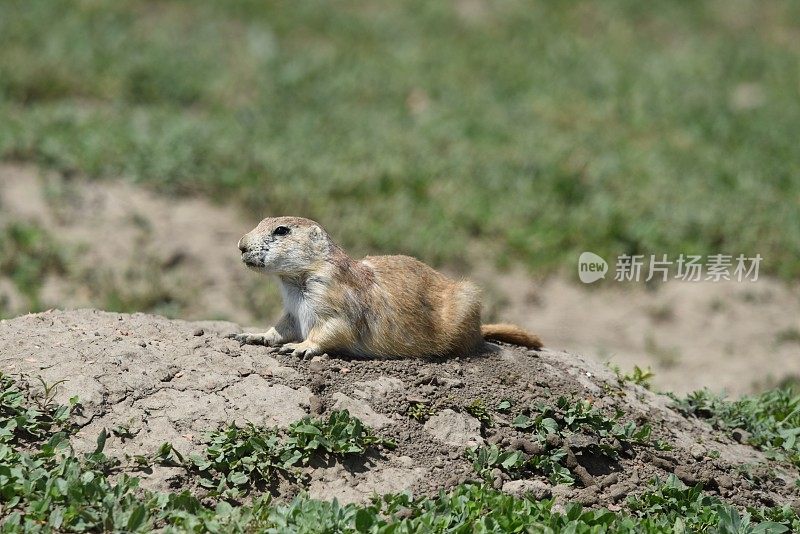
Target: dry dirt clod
(580, 441)
(318, 383)
(316, 405)
(585, 478)
(587, 496)
(527, 446)
(724, 481)
(740, 435)
(494, 439)
(453, 428)
(697, 451)
(619, 492)
(535, 488)
(686, 475)
(609, 480)
(316, 365)
(554, 440)
(663, 463)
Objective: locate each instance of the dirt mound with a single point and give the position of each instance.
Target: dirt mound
(112, 244)
(169, 381)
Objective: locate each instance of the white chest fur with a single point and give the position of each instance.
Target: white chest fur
(296, 304)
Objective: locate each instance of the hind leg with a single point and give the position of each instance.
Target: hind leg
(462, 317)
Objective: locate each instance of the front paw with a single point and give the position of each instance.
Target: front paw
(304, 350)
(269, 339)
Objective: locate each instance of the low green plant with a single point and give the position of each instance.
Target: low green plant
(517, 464)
(477, 409)
(662, 509)
(25, 416)
(577, 415)
(46, 487)
(771, 419)
(239, 459)
(124, 432)
(639, 376)
(551, 426)
(695, 511)
(504, 406)
(420, 411)
(341, 433)
(28, 254)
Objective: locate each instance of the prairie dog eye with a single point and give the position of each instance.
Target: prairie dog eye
(281, 230)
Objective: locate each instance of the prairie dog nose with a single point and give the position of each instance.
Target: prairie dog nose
(242, 245)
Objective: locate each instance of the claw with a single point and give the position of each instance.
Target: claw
(286, 349)
(247, 339)
(302, 350)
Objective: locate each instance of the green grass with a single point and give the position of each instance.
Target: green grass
(639, 376)
(771, 419)
(550, 426)
(238, 460)
(477, 409)
(28, 254)
(532, 130)
(420, 411)
(46, 487)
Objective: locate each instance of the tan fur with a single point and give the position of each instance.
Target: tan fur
(379, 306)
(510, 333)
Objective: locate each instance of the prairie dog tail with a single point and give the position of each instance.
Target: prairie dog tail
(510, 333)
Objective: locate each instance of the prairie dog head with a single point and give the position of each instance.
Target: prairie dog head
(285, 246)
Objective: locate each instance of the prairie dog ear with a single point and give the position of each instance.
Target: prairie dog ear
(316, 232)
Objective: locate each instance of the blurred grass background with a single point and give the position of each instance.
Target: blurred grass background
(531, 130)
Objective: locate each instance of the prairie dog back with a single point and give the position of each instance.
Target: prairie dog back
(420, 311)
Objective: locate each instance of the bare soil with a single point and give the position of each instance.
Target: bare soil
(129, 249)
(171, 380)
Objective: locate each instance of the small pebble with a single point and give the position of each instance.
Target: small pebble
(619, 492)
(554, 440)
(740, 435)
(724, 481)
(198, 332)
(697, 451)
(526, 445)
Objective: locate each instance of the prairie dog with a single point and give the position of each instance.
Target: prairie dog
(379, 306)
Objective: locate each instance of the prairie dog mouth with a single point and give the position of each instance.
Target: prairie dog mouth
(253, 258)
